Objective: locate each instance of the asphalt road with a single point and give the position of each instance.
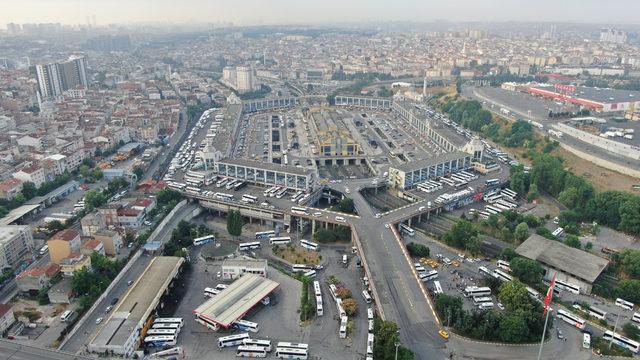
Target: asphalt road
(86, 331)
(10, 350)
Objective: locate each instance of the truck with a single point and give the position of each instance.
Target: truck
(505, 111)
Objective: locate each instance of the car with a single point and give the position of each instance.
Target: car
(114, 301)
(319, 267)
(347, 190)
(98, 320)
(560, 335)
(317, 214)
(386, 225)
(130, 245)
(444, 334)
(341, 219)
(378, 216)
(148, 223)
(500, 306)
(422, 208)
(108, 309)
(461, 256)
(556, 220)
(129, 282)
(219, 274)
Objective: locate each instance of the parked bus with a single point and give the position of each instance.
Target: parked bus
(297, 196)
(370, 339)
(468, 175)
(223, 182)
(481, 299)
(484, 215)
(571, 319)
(289, 345)
(500, 206)
(160, 341)
(269, 191)
(231, 184)
(620, 340)
(504, 265)
(239, 185)
(299, 210)
(249, 246)
(563, 285)
(157, 331)
(283, 240)
(491, 211)
(366, 296)
(300, 267)
(485, 305)
(44, 249)
(203, 240)
(169, 321)
(509, 205)
(251, 351)
(244, 325)
(250, 199)
(282, 192)
(485, 271)
(433, 274)
(624, 304)
(266, 344)
(558, 232)
(265, 234)
(319, 309)
(492, 182)
(193, 190)
(533, 293)
(597, 313)
(502, 276)
(232, 340)
(309, 245)
(211, 292)
(407, 230)
(447, 181)
(509, 193)
(437, 287)
(291, 353)
(493, 208)
(474, 291)
(166, 326)
(492, 198)
(636, 318)
(586, 340)
(316, 288)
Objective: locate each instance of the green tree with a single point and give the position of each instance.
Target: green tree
(573, 241)
(138, 171)
(514, 296)
(629, 290)
(84, 170)
(94, 198)
(533, 192)
(519, 181)
(97, 173)
(632, 331)
(630, 215)
(350, 307)
(528, 271)
(55, 226)
(522, 232)
(461, 234)
(418, 250)
(387, 336)
(568, 197)
(514, 327)
(508, 254)
(29, 190)
(630, 261)
(346, 206)
(234, 223)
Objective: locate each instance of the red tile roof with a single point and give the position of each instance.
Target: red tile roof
(66, 235)
(4, 308)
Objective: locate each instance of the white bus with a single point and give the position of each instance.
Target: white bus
(269, 191)
(597, 313)
(491, 182)
(251, 351)
(534, 294)
(370, 339)
(250, 199)
(169, 321)
(558, 232)
(563, 285)
(507, 204)
(166, 326)
(490, 208)
(319, 308)
(636, 318)
(266, 344)
(437, 287)
(500, 206)
(407, 230)
(291, 353)
(249, 246)
(283, 240)
(586, 340)
(156, 331)
(509, 193)
(232, 340)
(484, 215)
(433, 274)
(244, 325)
(231, 184)
(160, 341)
(474, 291)
(221, 183)
(316, 288)
(369, 314)
(492, 198)
(44, 249)
(265, 234)
(624, 304)
(502, 276)
(310, 274)
(571, 319)
(66, 315)
(485, 271)
(193, 190)
(203, 240)
(211, 292)
(485, 305)
(289, 345)
(620, 340)
(504, 265)
(282, 192)
(491, 211)
(223, 196)
(297, 196)
(481, 299)
(309, 245)
(299, 210)
(300, 267)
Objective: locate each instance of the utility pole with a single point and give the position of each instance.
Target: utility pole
(397, 345)
(544, 332)
(615, 326)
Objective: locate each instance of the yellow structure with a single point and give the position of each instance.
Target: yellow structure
(333, 137)
(62, 244)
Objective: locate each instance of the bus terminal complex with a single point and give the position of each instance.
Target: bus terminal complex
(454, 152)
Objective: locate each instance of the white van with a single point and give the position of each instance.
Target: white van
(66, 315)
(341, 219)
(344, 260)
(366, 296)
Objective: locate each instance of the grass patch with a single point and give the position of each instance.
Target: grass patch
(296, 255)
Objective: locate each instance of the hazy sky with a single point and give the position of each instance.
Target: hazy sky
(246, 12)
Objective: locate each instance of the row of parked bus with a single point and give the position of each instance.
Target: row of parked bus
(259, 348)
(163, 332)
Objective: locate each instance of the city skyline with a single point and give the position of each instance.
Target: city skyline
(259, 12)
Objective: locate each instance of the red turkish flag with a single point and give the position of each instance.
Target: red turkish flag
(547, 299)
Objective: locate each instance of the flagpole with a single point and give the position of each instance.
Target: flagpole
(544, 332)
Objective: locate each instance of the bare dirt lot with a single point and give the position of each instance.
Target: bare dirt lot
(601, 178)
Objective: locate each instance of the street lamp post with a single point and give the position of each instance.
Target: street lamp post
(614, 330)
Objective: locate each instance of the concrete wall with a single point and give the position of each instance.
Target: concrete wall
(602, 162)
(609, 145)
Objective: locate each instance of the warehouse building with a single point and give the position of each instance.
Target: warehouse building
(267, 174)
(566, 263)
(595, 99)
(234, 268)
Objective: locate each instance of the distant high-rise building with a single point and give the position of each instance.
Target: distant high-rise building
(55, 78)
(244, 79)
(109, 43)
(13, 28)
(613, 35)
